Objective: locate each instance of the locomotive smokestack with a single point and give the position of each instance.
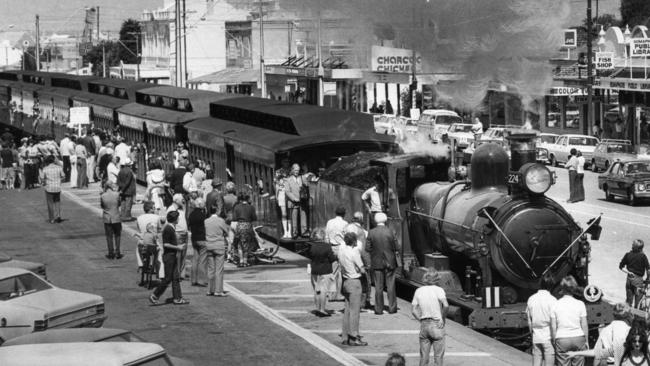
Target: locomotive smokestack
(522, 148)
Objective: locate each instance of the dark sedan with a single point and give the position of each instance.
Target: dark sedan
(629, 180)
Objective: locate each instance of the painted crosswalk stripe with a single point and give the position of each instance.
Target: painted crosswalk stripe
(366, 331)
(413, 354)
(280, 295)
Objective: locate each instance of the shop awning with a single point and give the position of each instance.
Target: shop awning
(229, 76)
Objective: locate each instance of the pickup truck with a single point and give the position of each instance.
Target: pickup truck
(560, 150)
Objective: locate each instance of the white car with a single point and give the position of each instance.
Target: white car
(29, 303)
(433, 123)
(88, 353)
(461, 134)
(559, 151)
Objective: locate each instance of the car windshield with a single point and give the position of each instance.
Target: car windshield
(638, 167)
(448, 120)
(4, 258)
(460, 128)
(582, 141)
(23, 284)
(547, 139)
(624, 148)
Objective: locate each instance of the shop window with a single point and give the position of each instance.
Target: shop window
(572, 115)
(553, 112)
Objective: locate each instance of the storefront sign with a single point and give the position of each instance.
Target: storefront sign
(310, 72)
(640, 47)
(329, 88)
(604, 60)
(622, 84)
(389, 59)
(565, 90)
(570, 38)
(79, 115)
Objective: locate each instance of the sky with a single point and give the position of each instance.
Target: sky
(67, 16)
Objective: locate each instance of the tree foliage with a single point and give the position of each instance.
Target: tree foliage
(130, 39)
(96, 56)
(635, 12)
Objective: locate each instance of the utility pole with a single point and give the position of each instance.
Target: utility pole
(137, 54)
(177, 58)
(321, 71)
(262, 79)
(97, 8)
(186, 74)
(590, 78)
(38, 45)
(103, 59)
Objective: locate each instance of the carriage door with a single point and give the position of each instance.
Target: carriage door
(230, 161)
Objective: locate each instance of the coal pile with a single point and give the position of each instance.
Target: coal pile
(355, 170)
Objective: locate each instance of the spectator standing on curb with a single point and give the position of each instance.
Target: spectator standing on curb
(215, 197)
(51, 176)
(539, 309)
(635, 265)
(245, 240)
(356, 226)
(110, 202)
(611, 340)
(352, 270)
(82, 155)
(569, 326)
(196, 224)
(384, 248)
(126, 184)
(170, 249)
(334, 231)
(149, 217)
(572, 165)
(89, 144)
(66, 147)
(219, 236)
(430, 307)
(322, 257)
(178, 205)
(580, 177)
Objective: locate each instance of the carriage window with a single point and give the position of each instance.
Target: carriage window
(417, 172)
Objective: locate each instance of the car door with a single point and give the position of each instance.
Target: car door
(557, 148)
(615, 179)
(599, 152)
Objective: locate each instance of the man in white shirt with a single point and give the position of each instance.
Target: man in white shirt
(356, 226)
(113, 169)
(539, 309)
(351, 270)
(334, 231)
(372, 200)
(477, 129)
(123, 150)
(430, 307)
(66, 148)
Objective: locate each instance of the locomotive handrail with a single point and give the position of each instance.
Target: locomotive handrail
(593, 222)
(509, 242)
(443, 220)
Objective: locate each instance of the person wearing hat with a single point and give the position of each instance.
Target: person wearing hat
(384, 248)
(110, 203)
(430, 307)
(215, 197)
(126, 184)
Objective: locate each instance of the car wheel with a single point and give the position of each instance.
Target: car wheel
(608, 196)
(553, 161)
(594, 168)
(631, 198)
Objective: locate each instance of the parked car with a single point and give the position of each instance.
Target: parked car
(8, 261)
(608, 151)
(461, 133)
(88, 353)
(75, 335)
(29, 303)
(433, 123)
(559, 151)
(626, 179)
(542, 142)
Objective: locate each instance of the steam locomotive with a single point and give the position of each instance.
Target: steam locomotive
(491, 237)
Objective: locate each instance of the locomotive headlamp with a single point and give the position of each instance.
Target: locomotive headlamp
(536, 178)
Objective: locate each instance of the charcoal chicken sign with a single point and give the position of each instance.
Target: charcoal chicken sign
(389, 59)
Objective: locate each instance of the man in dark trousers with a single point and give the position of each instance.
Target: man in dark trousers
(635, 264)
(110, 202)
(126, 183)
(383, 247)
(89, 143)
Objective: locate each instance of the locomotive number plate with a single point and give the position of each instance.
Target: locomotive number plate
(514, 178)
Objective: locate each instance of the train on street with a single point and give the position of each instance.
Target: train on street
(492, 236)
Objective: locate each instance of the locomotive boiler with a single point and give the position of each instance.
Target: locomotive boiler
(495, 236)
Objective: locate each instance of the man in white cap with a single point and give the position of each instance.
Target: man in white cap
(430, 306)
(126, 184)
(384, 248)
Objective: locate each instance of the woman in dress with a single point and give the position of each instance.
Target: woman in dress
(244, 214)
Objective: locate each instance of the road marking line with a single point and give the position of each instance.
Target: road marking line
(365, 331)
(289, 311)
(267, 281)
(593, 214)
(413, 354)
(330, 349)
(266, 296)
